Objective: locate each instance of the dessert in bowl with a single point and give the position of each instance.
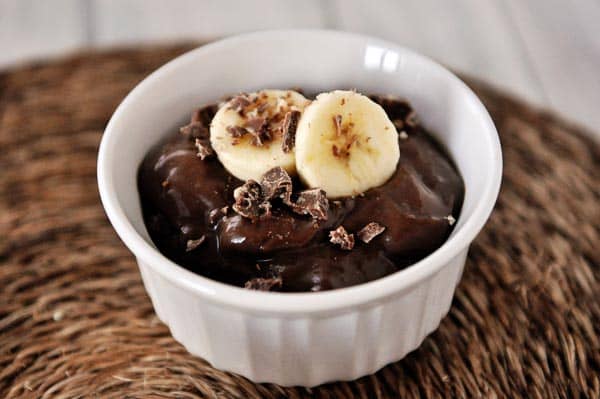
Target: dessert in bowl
(280, 192)
(383, 308)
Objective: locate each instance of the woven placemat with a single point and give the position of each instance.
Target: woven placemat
(75, 320)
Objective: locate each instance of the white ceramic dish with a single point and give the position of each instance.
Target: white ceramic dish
(300, 338)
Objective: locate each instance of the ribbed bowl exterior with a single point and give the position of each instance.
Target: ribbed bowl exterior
(310, 349)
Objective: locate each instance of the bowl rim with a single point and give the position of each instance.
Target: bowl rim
(294, 304)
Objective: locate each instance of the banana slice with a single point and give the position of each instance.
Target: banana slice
(345, 144)
(247, 132)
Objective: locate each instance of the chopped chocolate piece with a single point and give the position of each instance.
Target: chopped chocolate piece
(193, 244)
(395, 108)
(264, 284)
(263, 136)
(312, 202)
(259, 128)
(304, 202)
(204, 148)
(276, 183)
(237, 131)
(337, 122)
(239, 103)
(451, 220)
(343, 152)
(335, 151)
(288, 127)
(252, 200)
(200, 123)
(370, 231)
(249, 201)
(341, 237)
(262, 107)
(399, 111)
(216, 214)
(205, 114)
(255, 124)
(195, 130)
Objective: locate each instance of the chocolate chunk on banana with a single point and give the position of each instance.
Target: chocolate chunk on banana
(247, 133)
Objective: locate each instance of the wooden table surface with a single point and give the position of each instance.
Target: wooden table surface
(545, 51)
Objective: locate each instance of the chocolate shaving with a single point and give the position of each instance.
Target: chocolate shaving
(198, 129)
(343, 152)
(262, 108)
(262, 121)
(237, 131)
(205, 114)
(370, 231)
(204, 148)
(239, 103)
(262, 136)
(396, 108)
(249, 201)
(276, 183)
(264, 284)
(259, 128)
(335, 151)
(255, 124)
(399, 111)
(195, 129)
(200, 123)
(193, 244)
(341, 237)
(217, 214)
(337, 122)
(288, 127)
(311, 202)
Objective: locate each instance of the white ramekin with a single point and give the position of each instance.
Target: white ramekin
(300, 338)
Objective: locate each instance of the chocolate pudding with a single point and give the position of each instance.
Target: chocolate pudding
(278, 234)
